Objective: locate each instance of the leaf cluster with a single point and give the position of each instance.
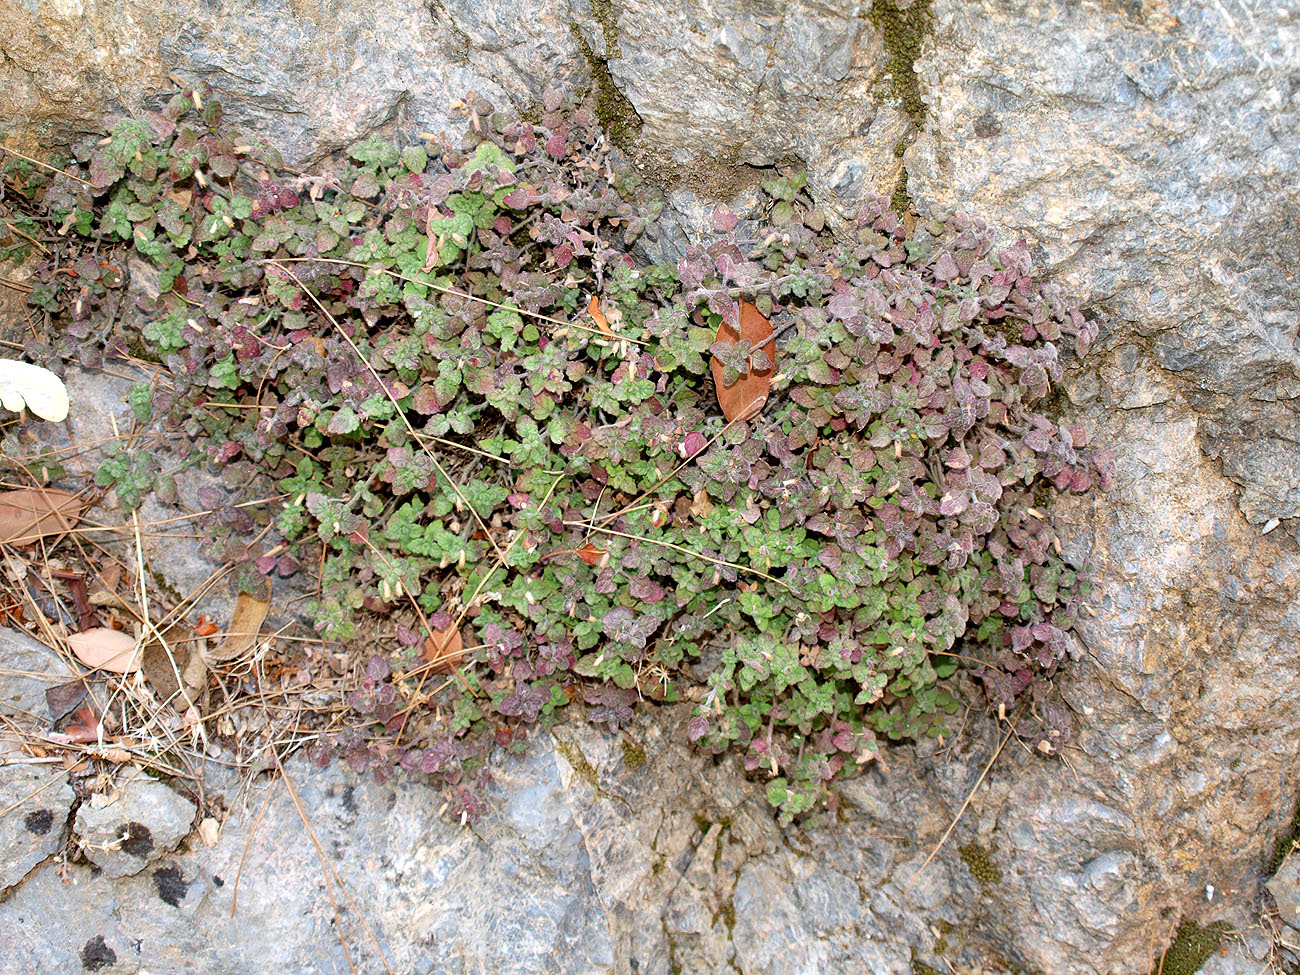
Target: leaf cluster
(400, 348)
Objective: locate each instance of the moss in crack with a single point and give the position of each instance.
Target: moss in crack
(617, 116)
(460, 52)
(603, 11)
(901, 200)
(1285, 843)
(903, 32)
(582, 768)
(634, 756)
(727, 914)
(1191, 948)
(979, 862)
(165, 587)
(724, 826)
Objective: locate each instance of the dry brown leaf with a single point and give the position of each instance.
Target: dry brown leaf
(29, 514)
(590, 554)
(599, 318)
(209, 831)
(245, 624)
(83, 728)
(157, 664)
(701, 506)
(62, 698)
(444, 649)
(745, 397)
(105, 649)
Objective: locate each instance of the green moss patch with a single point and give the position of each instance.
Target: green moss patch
(903, 32)
(1191, 948)
(979, 862)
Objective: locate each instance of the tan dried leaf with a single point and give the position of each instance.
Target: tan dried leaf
(158, 656)
(103, 649)
(245, 624)
(29, 514)
(209, 831)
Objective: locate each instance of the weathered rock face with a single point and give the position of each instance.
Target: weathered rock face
(601, 854)
(1148, 151)
(1152, 157)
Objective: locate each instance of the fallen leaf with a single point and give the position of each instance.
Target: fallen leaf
(206, 627)
(162, 667)
(701, 506)
(84, 727)
(62, 698)
(745, 397)
(444, 649)
(245, 624)
(209, 831)
(77, 590)
(29, 514)
(599, 318)
(590, 554)
(105, 649)
(42, 392)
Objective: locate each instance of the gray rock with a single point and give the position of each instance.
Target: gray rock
(572, 870)
(34, 801)
(1285, 888)
(1233, 959)
(1177, 229)
(28, 669)
(140, 820)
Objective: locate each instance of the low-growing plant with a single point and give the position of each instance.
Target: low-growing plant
(487, 411)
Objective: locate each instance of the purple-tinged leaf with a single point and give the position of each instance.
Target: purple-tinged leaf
(697, 728)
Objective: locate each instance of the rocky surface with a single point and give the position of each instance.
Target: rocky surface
(34, 796)
(600, 854)
(1152, 162)
(124, 829)
(1285, 890)
(1148, 151)
(34, 801)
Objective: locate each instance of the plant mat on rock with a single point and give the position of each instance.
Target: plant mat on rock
(792, 476)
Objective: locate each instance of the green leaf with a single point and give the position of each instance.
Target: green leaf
(489, 154)
(345, 421)
(374, 150)
(415, 159)
(224, 374)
